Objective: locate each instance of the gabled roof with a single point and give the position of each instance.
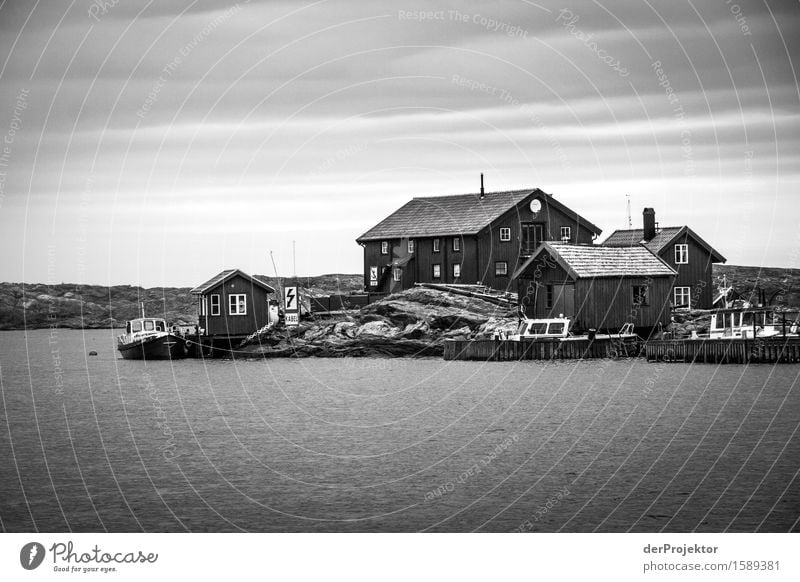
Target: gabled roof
(582, 261)
(229, 274)
(462, 214)
(664, 237)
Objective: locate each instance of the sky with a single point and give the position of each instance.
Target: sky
(157, 143)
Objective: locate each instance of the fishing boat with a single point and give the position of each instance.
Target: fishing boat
(742, 323)
(148, 338)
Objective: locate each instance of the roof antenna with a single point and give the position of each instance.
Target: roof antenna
(481, 185)
(630, 222)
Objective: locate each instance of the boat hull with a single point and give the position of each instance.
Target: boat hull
(166, 347)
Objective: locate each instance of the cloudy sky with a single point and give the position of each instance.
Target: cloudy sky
(157, 143)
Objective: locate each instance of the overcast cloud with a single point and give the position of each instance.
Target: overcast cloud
(157, 143)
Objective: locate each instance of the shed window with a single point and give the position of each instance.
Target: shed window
(437, 271)
(237, 304)
(682, 296)
(397, 274)
(681, 254)
(436, 245)
(548, 297)
(410, 246)
(505, 234)
(501, 268)
(641, 295)
(456, 269)
(456, 243)
(215, 305)
(566, 233)
(384, 247)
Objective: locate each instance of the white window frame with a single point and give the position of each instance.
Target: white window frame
(215, 309)
(505, 234)
(436, 243)
(410, 246)
(384, 247)
(681, 252)
(456, 244)
(437, 271)
(456, 270)
(566, 233)
(687, 291)
(397, 274)
(233, 304)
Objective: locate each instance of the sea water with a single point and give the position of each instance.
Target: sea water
(98, 443)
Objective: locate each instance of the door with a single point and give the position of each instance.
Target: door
(564, 300)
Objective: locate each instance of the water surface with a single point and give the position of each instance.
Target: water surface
(100, 443)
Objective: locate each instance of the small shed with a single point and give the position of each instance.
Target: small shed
(232, 305)
(600, 288)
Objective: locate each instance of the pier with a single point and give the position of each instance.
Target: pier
(507, 350)
(725, 351)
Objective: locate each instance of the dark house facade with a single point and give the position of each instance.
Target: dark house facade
(468, 239)
(597, 287)
(232, 305)
(683, 250)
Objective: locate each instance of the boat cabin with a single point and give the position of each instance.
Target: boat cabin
(137, 329)
(555, 328)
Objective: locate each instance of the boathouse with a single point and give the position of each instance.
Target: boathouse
(683, 250)
(231, 306)
(466, 239)
(598, 287)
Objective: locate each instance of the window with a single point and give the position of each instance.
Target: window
(437, 271)
(456, 244)
(215, 305)
(456, 269)
(531, 237)
(501, 268)
(436, 245)
(397, 274)
(137, 326)
(237, 304)
(681, 254)
(410, 246)
(548, 298)
(384, 247)
(566, 233)
(682, 297)
(556, 328)
(148, 325)
(641, 295)
(160, 326)
(505, 234)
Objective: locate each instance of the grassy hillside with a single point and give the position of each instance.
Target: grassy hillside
(94, 306)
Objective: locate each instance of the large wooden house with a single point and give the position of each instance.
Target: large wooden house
(468, 238)
(683, 250)
(231, 306)
(598, 287)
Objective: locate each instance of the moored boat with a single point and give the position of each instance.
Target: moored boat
(148, 338)
(752, 322)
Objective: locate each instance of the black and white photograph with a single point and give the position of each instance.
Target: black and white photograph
(351, 267)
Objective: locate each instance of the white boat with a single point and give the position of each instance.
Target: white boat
(533, 329)
(148, 338)
(751, 323)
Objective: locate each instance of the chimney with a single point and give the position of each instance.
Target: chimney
(481, 186)
(649, 224)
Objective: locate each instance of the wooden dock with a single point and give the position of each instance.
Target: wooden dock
(509, 351)
(725, 351)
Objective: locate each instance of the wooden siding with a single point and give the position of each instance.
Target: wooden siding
(602, 303)
(257, 315)
(696, 274)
